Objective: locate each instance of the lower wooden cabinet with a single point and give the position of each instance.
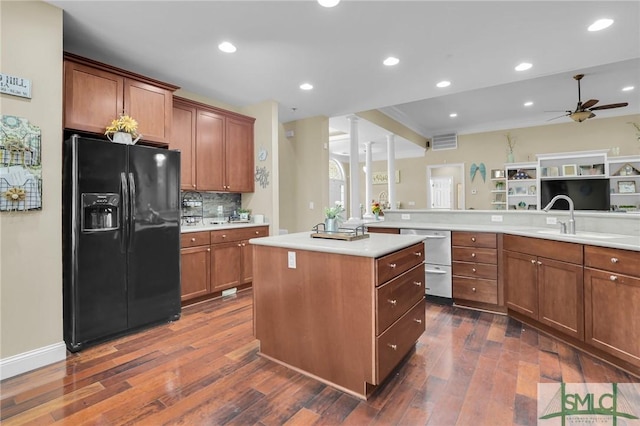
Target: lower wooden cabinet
(213, 261)
(549, 290)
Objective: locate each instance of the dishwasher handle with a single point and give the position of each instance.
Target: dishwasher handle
(434, 237)
(435, 271)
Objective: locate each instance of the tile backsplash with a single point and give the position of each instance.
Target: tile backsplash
(230, 202)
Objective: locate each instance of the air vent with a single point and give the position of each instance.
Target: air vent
(442, 142)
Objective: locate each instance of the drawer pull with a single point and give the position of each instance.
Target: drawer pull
(257, 232)
(417, 283)
(392, 265)
(473, 269)
(419, 321)
(224, 236)
(392, 346)
(473, 289)
(613, 278)
(473, 239)
(614, 260)
(193, 240)
(418, 254)
(209, 249)
(392, 301)
(473, 255)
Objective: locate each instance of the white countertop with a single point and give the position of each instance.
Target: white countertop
(626, 242)
(207, 226)
(375, 246)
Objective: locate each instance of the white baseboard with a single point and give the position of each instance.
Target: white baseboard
(27, 361)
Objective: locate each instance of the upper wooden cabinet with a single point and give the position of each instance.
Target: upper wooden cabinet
(96, 93)
(216, 145)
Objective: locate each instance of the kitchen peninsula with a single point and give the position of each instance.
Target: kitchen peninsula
(343, 312)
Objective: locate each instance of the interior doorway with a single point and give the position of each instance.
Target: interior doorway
(445, 187)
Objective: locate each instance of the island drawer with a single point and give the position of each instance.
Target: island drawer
(476, 290)
(397, 296)
(394, 264)
(474, 239)
(395, 343)
(615, 260)
(476, 270)
(473, 254)
(238, 234)
(194, 239)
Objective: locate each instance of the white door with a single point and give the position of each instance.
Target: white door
(441, 195)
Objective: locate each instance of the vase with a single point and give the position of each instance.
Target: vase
(376, 216)
(331, 225)
(123, 138)
(510, 158)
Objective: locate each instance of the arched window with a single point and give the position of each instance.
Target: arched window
(337, 183)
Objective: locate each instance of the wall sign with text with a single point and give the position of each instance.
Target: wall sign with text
(16, 86)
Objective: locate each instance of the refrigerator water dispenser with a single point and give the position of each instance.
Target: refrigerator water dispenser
(100, 212)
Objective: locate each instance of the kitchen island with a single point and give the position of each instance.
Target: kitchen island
(343, 312)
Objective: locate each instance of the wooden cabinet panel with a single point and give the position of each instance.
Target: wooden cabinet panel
(247, 263)
(92, 97)
(611, 314)
(192, 239)
(474, 239)
(473, 254)
(561, 298)
(474, 289)
(394, 264)
(210, 170)
(521, 278)
(476, 270)
(183, 139)
(195, 272)
(152, 107)
(393, 344)
(226, 265)
(614, 260)
(558, 250)
(239, 155)
(397, 296)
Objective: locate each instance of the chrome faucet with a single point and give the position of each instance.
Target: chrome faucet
(572, 221)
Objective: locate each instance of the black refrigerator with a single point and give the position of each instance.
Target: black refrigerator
(121, 239)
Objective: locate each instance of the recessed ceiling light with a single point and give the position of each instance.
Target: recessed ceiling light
(523, 66)
(227, 47)
(453, 115)
(444, 83)
(600, 24)
(628, 88)
(306, 86)
(391, 61)
(328, 3)
(528, 103)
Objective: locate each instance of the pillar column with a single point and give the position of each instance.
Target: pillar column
(369, 181)
(354, 173)
(391, 169)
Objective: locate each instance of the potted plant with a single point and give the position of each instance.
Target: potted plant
(244, 213)
(376, 209)
(333, 215)
(123, 130)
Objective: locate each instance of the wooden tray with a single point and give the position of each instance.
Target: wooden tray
(344, 236)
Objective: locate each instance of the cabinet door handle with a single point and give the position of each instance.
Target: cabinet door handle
(392, 301)
(473, 239)
(209, 249)
(533, 261)
(613, 278)
(243, 244)
(473, 289)
(417, 283)
(193, 240)
(473, 255)
(614, 260)
(392, 265)
(194, 185)
(419, 321)
(539, 263)
(392, 346)
(239, 245)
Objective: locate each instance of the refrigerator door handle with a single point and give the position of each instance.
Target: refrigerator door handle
(125, 212)
(132, 209)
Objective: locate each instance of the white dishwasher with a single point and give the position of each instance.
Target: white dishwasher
(437, 261)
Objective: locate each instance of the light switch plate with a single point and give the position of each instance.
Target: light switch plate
(496, 218)
(291, 260)
(406, 216)
(552, 220)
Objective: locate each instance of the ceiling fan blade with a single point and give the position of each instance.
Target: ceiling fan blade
(590, 103)
(623, 104)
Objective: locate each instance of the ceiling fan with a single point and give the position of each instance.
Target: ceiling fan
(585, 110)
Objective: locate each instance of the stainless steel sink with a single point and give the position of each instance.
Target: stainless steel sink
(580, 234)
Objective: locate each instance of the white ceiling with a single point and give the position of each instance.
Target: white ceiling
(281, 44)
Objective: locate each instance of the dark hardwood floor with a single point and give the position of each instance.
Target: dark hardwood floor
(468, 368)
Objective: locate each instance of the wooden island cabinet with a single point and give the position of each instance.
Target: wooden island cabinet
(339, 311)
